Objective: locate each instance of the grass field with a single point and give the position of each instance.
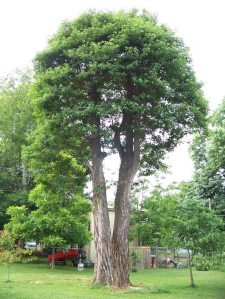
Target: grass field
(37, 281)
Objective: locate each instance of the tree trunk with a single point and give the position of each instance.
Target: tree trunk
(120, 242)
(112, 255)
(24, 176)
(53, 258)
(190, 269)
(102, 233)
(20, 243)
(8, 266)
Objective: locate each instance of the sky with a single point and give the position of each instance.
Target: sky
(26, 26)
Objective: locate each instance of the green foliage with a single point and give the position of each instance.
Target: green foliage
(61, 212)
(198, 228)
(16, 112)
(18, 221)
(119, 74)
(177, 219)
(135, 257)
(50, 151)
(7, 240)
(153, 221)
(55, 211)
(16, 120)
(174, 217)
(208, 154)
(201, 263)
(209, 261)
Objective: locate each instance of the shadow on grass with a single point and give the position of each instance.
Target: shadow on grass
(132, 290)
(147, 290)
(8, 281)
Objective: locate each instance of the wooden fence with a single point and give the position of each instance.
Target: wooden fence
(156, 257)
(144, 255)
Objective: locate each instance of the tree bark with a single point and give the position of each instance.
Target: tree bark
(130, 156)
(190, 269)
(102, 233)
(20, 243)
(112, 254)
(120, 242)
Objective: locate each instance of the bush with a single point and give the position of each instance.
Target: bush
(207, 262)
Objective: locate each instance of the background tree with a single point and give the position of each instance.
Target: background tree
(208, 151)
(152, 222)
(119, 82)
(198, 229)
(10, 253)
(61, 214)
(16, 121)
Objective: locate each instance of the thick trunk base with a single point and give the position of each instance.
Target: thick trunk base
(103, 269)
(120, 265)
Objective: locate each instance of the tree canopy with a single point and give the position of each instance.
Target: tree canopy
(133, 74)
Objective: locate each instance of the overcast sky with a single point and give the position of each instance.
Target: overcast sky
(26, 25)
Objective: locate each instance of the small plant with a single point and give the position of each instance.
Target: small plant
(135, 259)
(10, 253)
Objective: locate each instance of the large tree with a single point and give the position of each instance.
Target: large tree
(119, 82)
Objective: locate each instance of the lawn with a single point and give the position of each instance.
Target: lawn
(37, 281)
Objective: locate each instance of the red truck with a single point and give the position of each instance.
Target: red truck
(62, 256)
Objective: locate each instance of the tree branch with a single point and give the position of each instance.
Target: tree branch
(117, 141)
(137, 143)
(90, 167)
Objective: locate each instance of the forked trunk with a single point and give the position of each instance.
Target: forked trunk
(112, 255)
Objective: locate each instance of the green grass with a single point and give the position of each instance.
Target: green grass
(37, 281)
